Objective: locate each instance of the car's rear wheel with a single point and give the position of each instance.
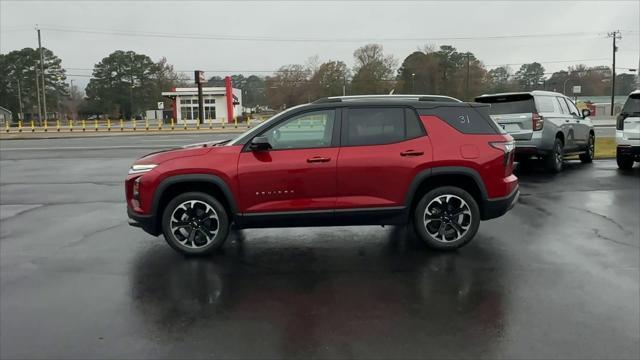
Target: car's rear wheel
(446, 218)
(624, 162)
(553, 161)
(587, 156)
(195, 223)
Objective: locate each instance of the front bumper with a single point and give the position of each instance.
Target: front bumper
(494, 208)
(145, 222)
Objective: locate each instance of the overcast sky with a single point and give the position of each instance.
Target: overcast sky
(342, 26)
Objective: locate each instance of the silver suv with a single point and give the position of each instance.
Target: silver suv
(544, 124)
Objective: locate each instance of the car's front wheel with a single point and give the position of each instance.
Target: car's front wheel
(446, 218)
(195, 223)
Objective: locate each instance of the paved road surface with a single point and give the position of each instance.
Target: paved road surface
(557, 277)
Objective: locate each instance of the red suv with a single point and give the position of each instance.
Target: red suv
(439, 164)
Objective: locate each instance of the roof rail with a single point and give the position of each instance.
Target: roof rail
(436, 98)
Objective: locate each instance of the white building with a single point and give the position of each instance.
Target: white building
(185, 104)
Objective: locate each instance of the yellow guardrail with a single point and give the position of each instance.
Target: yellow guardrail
(122, 125)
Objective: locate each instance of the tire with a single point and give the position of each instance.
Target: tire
(197, 209)
(587, 157)
(438, 232)
(553, 161)
(624, 162)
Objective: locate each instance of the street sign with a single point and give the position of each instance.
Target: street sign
(577, 89)
(160, 105)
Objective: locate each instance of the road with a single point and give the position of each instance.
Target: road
(557, 277)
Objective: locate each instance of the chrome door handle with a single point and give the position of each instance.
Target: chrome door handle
(412, 153)
(318, 159)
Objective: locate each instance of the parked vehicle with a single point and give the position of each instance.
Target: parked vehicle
(544, 124)
(628, 132)
(441, 165)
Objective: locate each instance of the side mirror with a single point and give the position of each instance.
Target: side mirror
(260, 143)
(585, 113)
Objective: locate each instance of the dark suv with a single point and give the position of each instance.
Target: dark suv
(441, 165)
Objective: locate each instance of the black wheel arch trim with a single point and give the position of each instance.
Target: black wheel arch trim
(203, 178)
(447, 170)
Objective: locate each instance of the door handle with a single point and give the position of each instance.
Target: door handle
(412, 153)
(318, 159)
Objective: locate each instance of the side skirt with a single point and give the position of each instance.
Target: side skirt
(339, 217)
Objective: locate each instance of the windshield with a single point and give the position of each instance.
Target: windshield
(632, 105)
(508, 105)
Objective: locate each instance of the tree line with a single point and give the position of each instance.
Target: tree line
(125, 84)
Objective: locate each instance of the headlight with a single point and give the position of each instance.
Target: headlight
(139, 169)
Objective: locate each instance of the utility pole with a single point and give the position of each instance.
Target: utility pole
(615, 35)
(44, 86)
(21, 114)
(38, 95)
(467, 82)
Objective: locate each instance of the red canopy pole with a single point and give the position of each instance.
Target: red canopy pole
(229, 94)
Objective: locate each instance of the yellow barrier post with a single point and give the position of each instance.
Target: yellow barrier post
(70, 125)
(45, 126)
(171, 123)
(197, 124)
(95, 124)
(109, 124)
(159, 124)
(146, 124)
(210, 123)
(121, 124)
(135, 124)
(235, 122)
(19, 125)
(223, 122)
(33, 126)
(6, 125)
(58, 125)
(185, 123)
(84, 125)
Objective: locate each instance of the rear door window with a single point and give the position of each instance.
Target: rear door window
(547, 104)
(374, 126)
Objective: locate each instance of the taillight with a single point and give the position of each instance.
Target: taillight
(620, 121)
(537, 121)
(507, 147)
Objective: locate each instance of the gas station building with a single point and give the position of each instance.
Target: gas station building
(219, 103)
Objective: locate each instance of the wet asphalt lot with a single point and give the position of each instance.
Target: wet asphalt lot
(558, 277)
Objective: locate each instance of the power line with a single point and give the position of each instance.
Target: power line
(196, 36)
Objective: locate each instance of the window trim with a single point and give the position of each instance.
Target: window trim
(560, 100)
(335, 135)
(345, 119)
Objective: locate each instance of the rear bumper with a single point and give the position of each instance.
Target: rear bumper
(145, 222)
(628, 151)
(494, 208)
